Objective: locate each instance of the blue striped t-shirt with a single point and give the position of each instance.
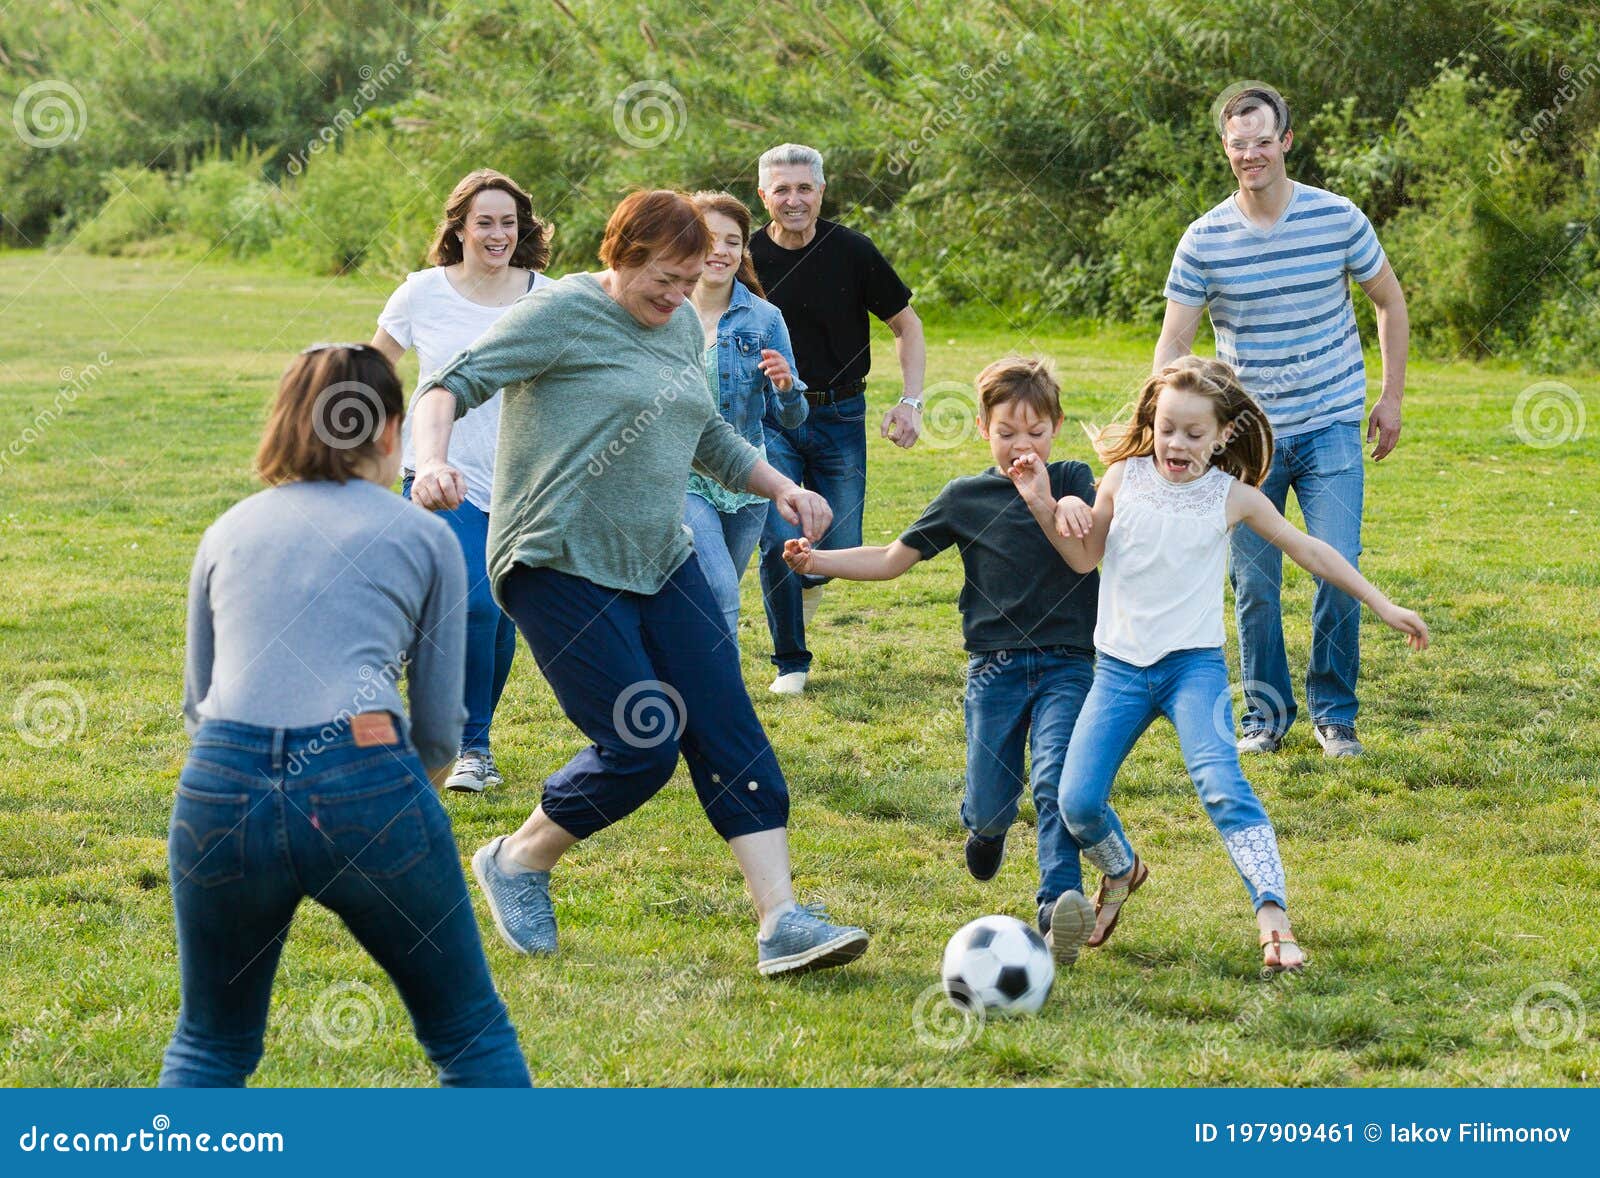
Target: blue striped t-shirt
(1280, 303)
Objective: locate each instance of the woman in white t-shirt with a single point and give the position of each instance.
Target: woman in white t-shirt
(486, 255)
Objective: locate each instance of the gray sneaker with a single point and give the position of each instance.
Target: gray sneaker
(471, 774)
(1260, 741)
(1338, 740)
(519, 902)
(491, 777)
(1071, 922)
(804, 940)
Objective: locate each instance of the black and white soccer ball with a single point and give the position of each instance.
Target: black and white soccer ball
(998, 964)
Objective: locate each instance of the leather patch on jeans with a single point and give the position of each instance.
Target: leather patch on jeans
(370, 728)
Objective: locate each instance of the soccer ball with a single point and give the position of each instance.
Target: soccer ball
(999, 964)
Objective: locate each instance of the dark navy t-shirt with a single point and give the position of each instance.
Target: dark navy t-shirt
(1019, 593)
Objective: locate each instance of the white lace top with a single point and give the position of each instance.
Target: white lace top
(1161, 579)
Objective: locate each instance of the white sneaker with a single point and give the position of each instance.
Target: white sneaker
(810, 602)
(794, 683)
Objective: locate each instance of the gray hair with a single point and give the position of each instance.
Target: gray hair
(786, 155)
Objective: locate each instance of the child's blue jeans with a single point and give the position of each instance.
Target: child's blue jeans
(1018, 698)
(268, 817)
(1190, 688)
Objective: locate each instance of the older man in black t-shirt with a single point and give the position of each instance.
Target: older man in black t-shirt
(825, 279)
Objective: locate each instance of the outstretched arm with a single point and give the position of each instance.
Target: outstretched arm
(853, 564)
(1247, 505)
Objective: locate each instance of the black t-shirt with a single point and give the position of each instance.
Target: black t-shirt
(825, 290)
(1019, 593)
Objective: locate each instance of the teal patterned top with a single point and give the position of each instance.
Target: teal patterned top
(713, 492)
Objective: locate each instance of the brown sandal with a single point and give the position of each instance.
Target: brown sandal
(1116, 894)
(1275, 941)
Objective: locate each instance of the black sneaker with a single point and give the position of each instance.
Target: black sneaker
(983, 857)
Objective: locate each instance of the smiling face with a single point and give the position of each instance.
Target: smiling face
(1187, 434)
(793, 197)
(727, 250)
(653, 291)
(1015, 429)
(1255, 149)
(489, 235)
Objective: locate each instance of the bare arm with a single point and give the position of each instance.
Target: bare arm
(388, 345)
(1394, 339)
(438, 485)
(902, 422)
(1178, 326)
(853, 564)
(1247, 505)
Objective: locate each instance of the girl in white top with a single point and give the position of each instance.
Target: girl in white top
(486, 255)
(1179, 476)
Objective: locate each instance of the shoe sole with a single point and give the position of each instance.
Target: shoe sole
(465, 785)
(1074, 913)
(842, 950)
(479, 859)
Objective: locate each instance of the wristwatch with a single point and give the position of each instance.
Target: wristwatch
(914, 402)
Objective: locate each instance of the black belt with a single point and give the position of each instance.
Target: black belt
(834, 395)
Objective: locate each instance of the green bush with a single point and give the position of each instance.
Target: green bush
(139, 205)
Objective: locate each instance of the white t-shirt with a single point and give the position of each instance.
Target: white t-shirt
(430, 315)
(1165, 561)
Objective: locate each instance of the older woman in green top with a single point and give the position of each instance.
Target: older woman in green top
(605, 412)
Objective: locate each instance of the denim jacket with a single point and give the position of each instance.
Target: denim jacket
(744, 395)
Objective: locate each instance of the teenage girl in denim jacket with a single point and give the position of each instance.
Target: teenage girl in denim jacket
(748, 360)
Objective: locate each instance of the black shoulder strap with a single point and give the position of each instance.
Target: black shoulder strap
(532, 274)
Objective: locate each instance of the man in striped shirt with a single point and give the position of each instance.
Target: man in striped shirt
(1274, 264)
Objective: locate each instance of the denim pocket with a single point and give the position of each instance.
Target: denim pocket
(380, 832)
(205, 842)
(853, 410)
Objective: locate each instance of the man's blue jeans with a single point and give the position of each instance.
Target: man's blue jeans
(1190, 688)
(1324, 468)
(267, 817)
(1018, 698)
(724, 541)
(826, 453)
(491, 635)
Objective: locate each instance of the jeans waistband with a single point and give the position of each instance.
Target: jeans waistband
(836, 394)
(337, 733)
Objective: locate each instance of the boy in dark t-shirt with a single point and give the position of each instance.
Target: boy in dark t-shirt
(1029, 633)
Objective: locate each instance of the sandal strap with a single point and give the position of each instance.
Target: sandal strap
(1277, 938)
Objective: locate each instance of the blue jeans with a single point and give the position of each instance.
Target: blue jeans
(268, 816)
(826, 453)
(1325, 470)
(491, 635)
(1017, 697)
(645, 677)
(1190, 688)
(724, 541)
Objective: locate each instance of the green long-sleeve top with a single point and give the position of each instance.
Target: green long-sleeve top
(601, 423)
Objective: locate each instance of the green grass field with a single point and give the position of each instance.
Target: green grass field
(1444, 885)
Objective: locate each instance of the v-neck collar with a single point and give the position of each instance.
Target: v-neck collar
(1283, 217)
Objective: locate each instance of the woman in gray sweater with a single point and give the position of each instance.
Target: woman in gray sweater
(307, 775)
(604, 413)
